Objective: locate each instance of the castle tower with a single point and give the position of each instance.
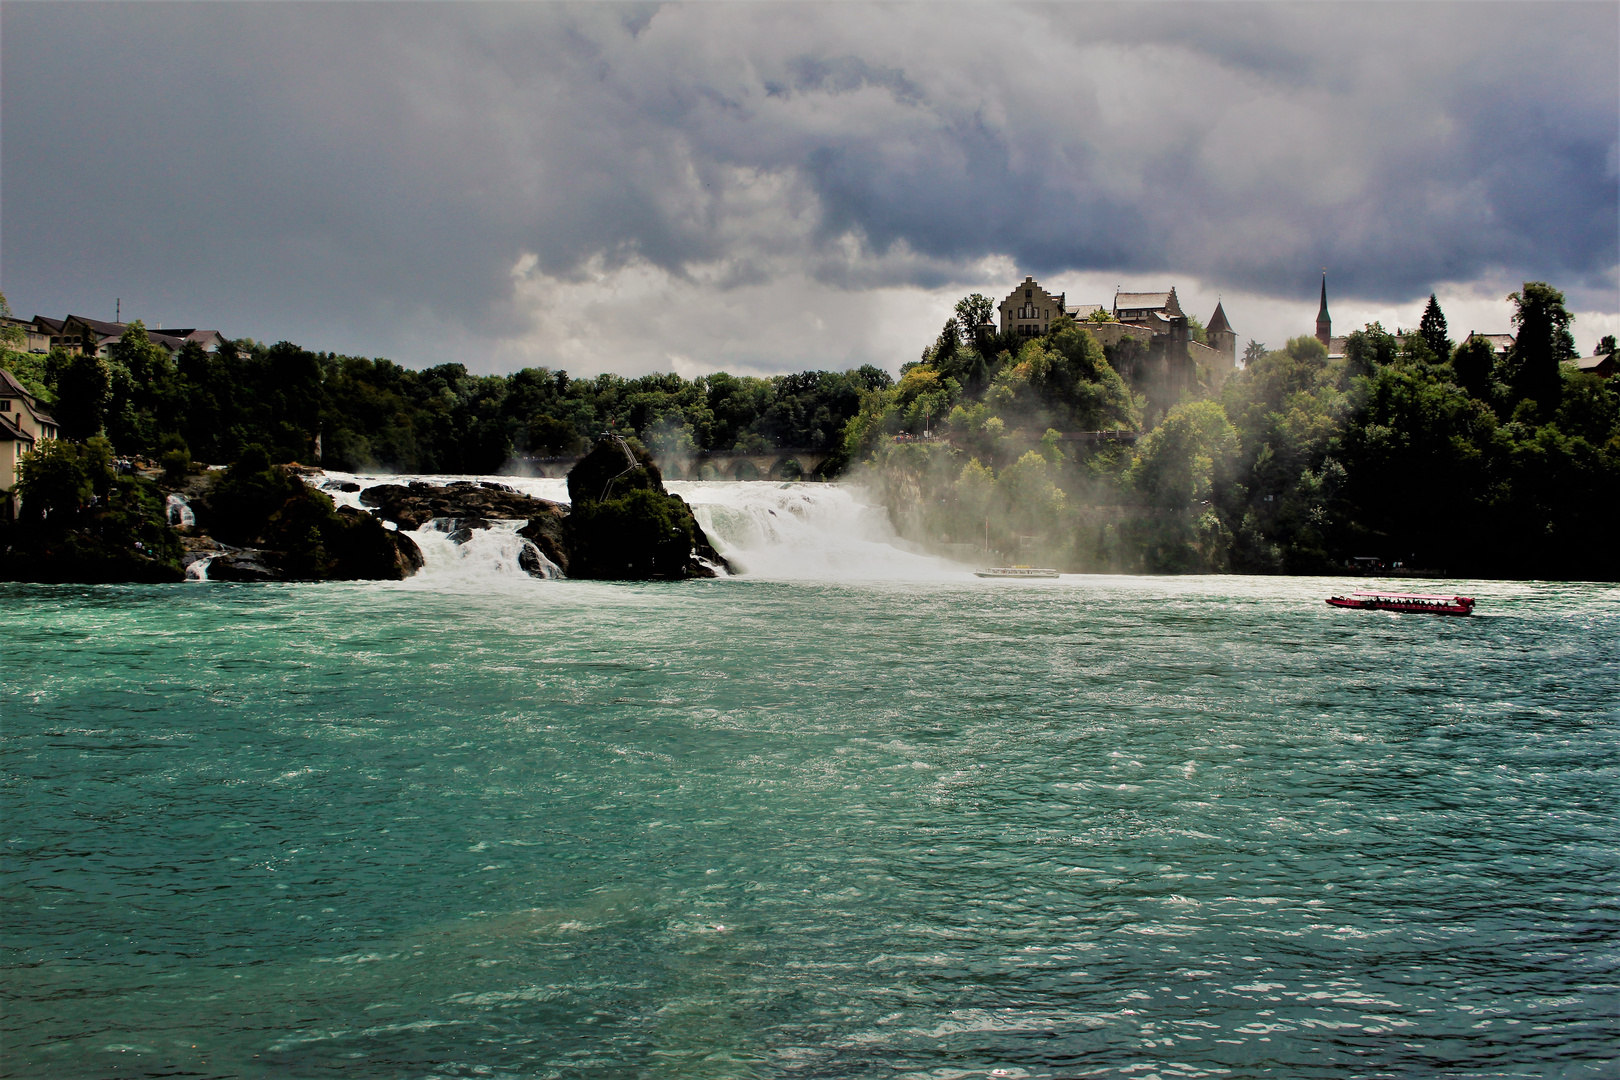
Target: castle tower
(1222, 338)
(1324, 323)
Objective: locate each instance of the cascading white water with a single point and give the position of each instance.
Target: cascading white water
(497, 550)
(804, 531)
(764, 529)
(178, 511)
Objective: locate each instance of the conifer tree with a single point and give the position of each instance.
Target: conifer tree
(1433, 329)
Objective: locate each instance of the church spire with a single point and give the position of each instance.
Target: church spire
(1324, 323)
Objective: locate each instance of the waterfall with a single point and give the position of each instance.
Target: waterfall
(764, 529)
(826, 531)
(450, 548)
(178, 510)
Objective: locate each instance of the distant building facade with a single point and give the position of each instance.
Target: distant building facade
(1028, 310)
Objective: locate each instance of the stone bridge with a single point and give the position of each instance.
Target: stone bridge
(791, 464)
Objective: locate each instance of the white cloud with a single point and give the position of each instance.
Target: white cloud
(638, 318)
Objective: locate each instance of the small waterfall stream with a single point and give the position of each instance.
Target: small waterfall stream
(179, 512)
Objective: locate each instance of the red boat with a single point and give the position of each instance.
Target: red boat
(1412, 603)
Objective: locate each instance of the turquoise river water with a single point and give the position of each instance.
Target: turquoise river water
(765, 826)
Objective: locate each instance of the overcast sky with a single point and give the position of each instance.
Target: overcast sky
(771, 187)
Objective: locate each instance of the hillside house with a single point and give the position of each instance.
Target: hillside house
(1603, 365)
(1500, 343)
(24, 424)
(78, 333)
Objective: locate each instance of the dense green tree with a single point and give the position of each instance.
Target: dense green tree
(1179, 463)
(84, 393)
(1369, 348)
(251, 491)
(58, 478)
(11, 337)
(80, 522)
(1474, 363)
(1541, 342)
(971, 312)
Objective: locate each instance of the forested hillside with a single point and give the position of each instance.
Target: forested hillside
(375, 414)
(1410, 450)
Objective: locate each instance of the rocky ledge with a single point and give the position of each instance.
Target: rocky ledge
(410, 506)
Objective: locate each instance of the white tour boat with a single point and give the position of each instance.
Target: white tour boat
(1016, 572)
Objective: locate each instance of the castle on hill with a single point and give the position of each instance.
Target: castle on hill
(1153, 321)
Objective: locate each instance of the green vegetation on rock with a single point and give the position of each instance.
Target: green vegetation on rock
(622, 523)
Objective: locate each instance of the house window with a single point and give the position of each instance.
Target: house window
(5, 404)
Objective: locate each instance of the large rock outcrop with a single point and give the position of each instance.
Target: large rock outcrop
(624, 525)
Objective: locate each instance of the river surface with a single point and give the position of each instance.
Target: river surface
(851, 813)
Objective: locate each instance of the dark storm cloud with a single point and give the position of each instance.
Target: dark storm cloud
(366, 176)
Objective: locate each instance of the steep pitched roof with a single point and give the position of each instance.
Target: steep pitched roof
(1322, 313)
(11, 431)
(1600, 363)
(10, 387)
(50, 326)
(165, 339)
(1151, 301)
(105, 329)
(1218, 321)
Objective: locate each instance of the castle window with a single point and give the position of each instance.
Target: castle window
(1029, 294)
